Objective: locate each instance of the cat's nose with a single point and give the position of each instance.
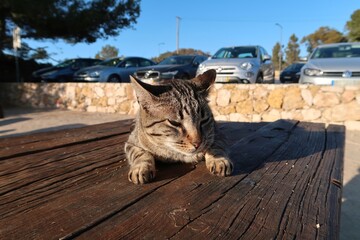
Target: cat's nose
(196, 144)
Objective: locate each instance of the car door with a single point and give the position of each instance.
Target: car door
(266, 65)
(127, 68)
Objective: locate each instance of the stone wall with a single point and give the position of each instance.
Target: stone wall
(229, 102)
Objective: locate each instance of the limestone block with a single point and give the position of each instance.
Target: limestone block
(271, 116)
(307, 96)
(275, 98)
(238, 117)
(293, 99)
(99, 91)
(347, 96)
(223, 97)
(311, 114)
(245, 107)
(260, 92)
(238, 95)
(326, 99)
(346, 112)
(260, 106)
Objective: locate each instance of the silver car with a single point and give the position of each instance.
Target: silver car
(242, 64)
(333, 64)
(112, 70)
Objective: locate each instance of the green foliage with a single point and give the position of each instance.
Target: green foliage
(322, 36)
(275, 55)
(354, 27)
(182, 51)
(292, 50)
(73, 21)
(107, 52)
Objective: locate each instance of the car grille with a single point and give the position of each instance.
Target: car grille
(147, 74)
(225, 70)
(339, 74)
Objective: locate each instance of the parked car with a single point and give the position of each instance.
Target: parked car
(64, 71)
(112, 70)
(241, 64)
(332, 64)
(178, 66)
(291, 73)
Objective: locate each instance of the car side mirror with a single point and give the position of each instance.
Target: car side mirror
(266, 57)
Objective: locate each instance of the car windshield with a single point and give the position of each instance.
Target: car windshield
(294, 67)
(111, 62)
(66, 63)
(176, 60)
(236, 52)
(341, 51)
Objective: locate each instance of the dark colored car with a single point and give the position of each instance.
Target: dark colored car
(291, 73)
(174, 67)
(64, 71)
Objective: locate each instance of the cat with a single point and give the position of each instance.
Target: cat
(175, 123)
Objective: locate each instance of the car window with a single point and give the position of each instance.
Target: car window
(199, 59)
(111, 62)
(145, 63)
(176, 60)
(132, 62)
(236, 52)
(341, 51)
(66, 63)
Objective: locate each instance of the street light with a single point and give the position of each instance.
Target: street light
(177, 33)
(280, 53)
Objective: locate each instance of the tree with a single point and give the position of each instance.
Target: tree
(73, 21)
(321, 36)
(292, 50)
(107, 52)
(182, 51)
(354, 26)
(275, 55)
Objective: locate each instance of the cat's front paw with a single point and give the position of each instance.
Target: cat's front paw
(141, 173)
(219, 166)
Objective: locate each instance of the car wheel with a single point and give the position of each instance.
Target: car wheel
(259, 79)
(114, 79)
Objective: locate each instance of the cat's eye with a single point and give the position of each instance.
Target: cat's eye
(174, 123)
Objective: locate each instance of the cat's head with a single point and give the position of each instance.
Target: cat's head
(177, 114)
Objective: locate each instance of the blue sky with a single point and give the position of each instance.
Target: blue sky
(209, 25)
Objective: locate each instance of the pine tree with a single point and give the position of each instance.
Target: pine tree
(292, 50)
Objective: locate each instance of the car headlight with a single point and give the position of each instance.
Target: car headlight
(312, 72)
(172, 73)
(94, 74)
(201, 67)
(246, 66)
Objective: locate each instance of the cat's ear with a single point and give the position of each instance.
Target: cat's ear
(146, 93)
(205, 80)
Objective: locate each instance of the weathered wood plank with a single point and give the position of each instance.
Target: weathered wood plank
(185, 198)
(18, 146)
(81, 189)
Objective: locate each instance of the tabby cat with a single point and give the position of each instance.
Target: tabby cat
(175, 123)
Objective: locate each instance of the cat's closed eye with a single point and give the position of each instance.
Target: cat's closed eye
(174, 123)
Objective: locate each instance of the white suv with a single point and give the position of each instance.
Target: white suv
(241, 64)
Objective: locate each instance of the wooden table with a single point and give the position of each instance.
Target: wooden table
(73, 183)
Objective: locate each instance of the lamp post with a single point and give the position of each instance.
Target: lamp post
(280, 53)
(177, 33)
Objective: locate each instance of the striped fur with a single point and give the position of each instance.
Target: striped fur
(175, 123)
